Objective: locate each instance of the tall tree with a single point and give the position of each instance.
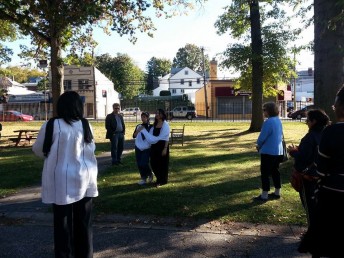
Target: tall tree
(53, 23)
(7, 33)
(328, 52)
(190, 56)
(155, 68)
(128, 78)
(20, 74)
(261, 55)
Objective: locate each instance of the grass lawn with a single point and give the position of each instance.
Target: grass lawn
(213, 176)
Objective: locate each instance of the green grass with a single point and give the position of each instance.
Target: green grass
(213, 176)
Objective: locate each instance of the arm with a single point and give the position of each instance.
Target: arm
(264, 133)
(163, 136)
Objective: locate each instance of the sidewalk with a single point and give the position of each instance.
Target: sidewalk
(26, 231)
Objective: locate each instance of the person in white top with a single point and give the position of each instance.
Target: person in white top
(69, 177)
(142, 150)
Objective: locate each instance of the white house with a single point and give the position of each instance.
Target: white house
(181, 81)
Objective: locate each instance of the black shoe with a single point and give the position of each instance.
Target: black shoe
(260, 199)
(274, 196)
(120, 162)
(115, 164)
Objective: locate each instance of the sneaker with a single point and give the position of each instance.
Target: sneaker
(150, 179)
(260, 198)
(142, 182)
(274, 196)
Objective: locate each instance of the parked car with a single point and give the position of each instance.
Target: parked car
(12, 115)
(301, 113)
(131, 111)
(41, 115)
(183, 112)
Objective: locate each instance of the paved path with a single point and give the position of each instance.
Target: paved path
(26, 231)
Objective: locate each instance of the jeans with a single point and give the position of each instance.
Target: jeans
(117, 145)
(142, 161)
(73, 229)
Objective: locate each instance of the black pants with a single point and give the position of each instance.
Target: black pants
(73, 235)
(269, 166)
(160, 163)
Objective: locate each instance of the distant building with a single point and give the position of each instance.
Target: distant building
(181, 81)
(96, 90)
(304, 90)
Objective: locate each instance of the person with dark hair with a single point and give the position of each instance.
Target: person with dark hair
(323, 237)
(269, 145)
(304, 156)
(115, 131)
(69, 177)
(158, 136)
(142, 150)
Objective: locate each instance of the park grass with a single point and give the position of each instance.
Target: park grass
(213, 176)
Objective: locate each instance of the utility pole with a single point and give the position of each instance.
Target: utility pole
(44, 64)
(205, 86)
(294, 88)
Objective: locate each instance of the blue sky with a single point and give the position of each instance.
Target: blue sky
(171, 34)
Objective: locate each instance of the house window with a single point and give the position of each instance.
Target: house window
(198, 80)
(181, 81)
(83, 84)
(67, 84)
(181, 90)
(186, 72)
(174, 91)
(190, 83)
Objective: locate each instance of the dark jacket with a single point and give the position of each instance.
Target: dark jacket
(111, 125)
(308, 149)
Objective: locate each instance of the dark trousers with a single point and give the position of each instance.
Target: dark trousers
(269, 166)
(73, 235)
(142, 161)
(160, 163)
(117, 146)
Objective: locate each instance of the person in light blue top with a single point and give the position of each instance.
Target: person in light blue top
(269, 145)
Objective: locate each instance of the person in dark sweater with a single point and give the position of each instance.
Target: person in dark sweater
(323, 237)
(304, 156)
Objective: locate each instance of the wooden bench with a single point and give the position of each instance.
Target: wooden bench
(24, 135)
(177, 134)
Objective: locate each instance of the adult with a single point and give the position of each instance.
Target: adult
(160, 153)
(269, 145)
(323, 237)
(69, 177)
(142, 150)
(115, 131)
(304, 157)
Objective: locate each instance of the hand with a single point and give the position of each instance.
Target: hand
(164, 152)
(292, 148)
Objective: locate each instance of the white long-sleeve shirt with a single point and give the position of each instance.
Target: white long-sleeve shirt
(163, 136)
(70, 170)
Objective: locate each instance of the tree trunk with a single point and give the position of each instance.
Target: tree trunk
(56, 71)
(329, 53)
(257, 68)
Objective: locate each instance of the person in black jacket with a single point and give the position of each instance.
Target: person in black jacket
(115, 131)
(323, 237)
(304, 156)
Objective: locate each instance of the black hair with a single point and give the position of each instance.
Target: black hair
(161, 112)
(321, 118)
(70, 107)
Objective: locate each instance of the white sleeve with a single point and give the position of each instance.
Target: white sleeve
(163, 136)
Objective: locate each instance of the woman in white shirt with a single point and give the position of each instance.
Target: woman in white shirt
(69, 177)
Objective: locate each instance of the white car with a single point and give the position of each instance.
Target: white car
(132, 111)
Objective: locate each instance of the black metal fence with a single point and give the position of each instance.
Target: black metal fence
(220, 111)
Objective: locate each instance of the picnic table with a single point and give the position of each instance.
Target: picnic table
(24, 135)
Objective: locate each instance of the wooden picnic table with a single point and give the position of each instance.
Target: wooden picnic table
(24, 134)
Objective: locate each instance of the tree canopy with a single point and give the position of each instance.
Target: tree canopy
(127, 77)
(261, 54)
(155, 68)
(191, 56)
(53, 24)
